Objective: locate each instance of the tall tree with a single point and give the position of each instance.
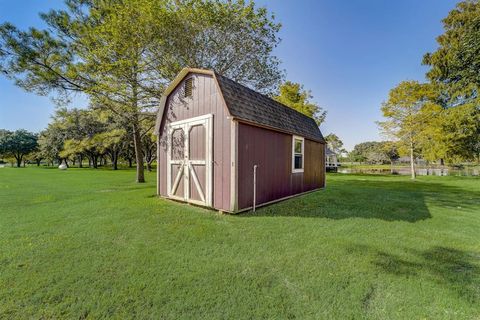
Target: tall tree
(18, 144)
(334, 143)
(122, 53)
(293, 95)
(457, 60)
(455, 66)
(235, 38)
(405, 115)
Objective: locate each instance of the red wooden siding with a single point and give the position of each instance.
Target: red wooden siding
(271, 151)
(205, 99)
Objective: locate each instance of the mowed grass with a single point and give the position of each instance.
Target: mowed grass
(92, 244)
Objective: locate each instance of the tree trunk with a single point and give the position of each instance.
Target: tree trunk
(19, 161)
(80, 160)
(130, 164)
(114, 159)
(412, 164)
(137, 142)
(38, 162)
(149, 166)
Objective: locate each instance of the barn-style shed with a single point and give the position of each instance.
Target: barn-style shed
(225, 146)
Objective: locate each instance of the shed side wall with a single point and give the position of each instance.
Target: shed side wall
(205, 99)
(271, 151)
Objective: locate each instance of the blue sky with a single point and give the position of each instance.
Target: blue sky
(348, 53)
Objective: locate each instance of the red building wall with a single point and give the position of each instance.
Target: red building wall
(271, 151)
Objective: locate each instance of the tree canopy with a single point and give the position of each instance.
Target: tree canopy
(457, 60)
(334, 143)
(454, 68)
(375, 152)
(293, 95)
(17, 144)
(122, 53)
(440, 120)
(409, 107)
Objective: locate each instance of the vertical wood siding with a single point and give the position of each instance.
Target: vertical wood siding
(205, 99)
(271, 151)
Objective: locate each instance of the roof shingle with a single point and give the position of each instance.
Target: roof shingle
(251, 106)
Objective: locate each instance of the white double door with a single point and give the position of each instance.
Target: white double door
(189, 160)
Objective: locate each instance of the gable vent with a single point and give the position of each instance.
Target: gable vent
(188, 87)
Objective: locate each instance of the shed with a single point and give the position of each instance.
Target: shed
(213, 131)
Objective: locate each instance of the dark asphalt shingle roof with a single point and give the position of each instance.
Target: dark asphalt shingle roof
(251, 106)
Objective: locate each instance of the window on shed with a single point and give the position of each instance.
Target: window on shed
(298, 154)
(188, 87)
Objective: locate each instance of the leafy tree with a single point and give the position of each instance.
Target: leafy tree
(122, 53)
(461, 131)
(51, 142)
(128, 153)
(390, 150)
(150, 149)
(73, 148)
(433, 141)
(17, 144)
(3, 136)
(293, 95)
(335, 144)
(371, 152)
(35, 156)
(80, 130)
(406, 116)
(455, 67)
(112, 143)
(234, 38)
(457, 60)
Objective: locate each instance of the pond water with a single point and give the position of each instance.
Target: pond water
(420, 171)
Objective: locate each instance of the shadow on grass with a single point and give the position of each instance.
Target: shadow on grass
(364, 197)
(457, 270)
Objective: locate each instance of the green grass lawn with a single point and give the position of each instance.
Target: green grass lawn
(93, 244)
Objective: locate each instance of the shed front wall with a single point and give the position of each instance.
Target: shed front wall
(271, 151)
(206, 99)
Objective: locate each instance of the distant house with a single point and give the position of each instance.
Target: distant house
(225, 146)
(331, 161)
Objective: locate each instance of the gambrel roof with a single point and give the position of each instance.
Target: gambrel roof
(247, 105)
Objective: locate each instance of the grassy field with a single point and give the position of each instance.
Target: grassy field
(92, 244)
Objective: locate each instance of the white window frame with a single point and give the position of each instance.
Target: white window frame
(293, 154)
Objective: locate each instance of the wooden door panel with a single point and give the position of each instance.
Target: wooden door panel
(197, 142)
(190, 160)
(197, 182)
(177, 180)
